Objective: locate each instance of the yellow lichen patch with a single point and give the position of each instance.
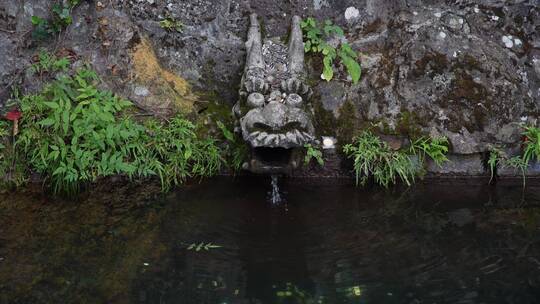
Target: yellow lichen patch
(167, 91)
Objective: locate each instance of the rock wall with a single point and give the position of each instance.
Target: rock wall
(468, 70)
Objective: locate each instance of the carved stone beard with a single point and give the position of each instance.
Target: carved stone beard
(273, 109)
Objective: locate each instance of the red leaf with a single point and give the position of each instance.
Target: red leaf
(13, 115)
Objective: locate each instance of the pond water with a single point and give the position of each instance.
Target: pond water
(223, 241)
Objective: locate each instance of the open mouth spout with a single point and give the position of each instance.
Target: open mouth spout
(267, 160)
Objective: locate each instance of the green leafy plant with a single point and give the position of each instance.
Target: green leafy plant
(235, 150)
(494, 159)
(174, 153)
(374, 157)
(316, 41)
(519, 163)
(313, 153)
(531, 149)
(73, 3)
(498, 158)
(531, 152)
(4, 138)
(170, 24)
(4, 133)
(435, 148)
(73, 133)
(60, 19)
(41, 28)
(49, 63)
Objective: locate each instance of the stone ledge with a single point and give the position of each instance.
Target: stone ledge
(458, 164)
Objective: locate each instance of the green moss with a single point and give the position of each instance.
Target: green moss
(216, 120)
(343, 128)
(465, 93)
(210, 111)
(323, 119)
(348, 124)
(409, 124)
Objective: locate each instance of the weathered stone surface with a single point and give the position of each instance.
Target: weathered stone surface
(461, 165)
(468, 70)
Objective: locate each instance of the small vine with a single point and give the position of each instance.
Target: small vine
(317, 41)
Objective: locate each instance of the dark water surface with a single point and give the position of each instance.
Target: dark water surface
(437, 242)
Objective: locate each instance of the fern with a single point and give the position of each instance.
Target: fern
(494, 159)
(73, 133)
(532, 143)
(435, 148)
(373, 157)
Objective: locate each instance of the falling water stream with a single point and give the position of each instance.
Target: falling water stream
(274, 194)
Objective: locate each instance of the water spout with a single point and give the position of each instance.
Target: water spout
(273, 111)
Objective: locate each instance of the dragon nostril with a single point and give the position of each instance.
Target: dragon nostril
(255, 100)
(294, 100)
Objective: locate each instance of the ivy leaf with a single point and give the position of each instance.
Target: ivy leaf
(41, 28)
(329, 29)
(328, 71)
(347, 50)
(307, 46)
(353, 68)
(37, 20)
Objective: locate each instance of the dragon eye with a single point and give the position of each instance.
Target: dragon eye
(294, 100)
(255, 100)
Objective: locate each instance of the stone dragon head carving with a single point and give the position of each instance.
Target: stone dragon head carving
(273, 111)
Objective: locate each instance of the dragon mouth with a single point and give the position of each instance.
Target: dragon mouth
(272, 156)
(290, 139)
(269, 160)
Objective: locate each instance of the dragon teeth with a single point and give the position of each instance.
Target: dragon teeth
(270, 139)
(265, 139)
(307, 136)
(254, 135)
(295, 139)
(299, 136)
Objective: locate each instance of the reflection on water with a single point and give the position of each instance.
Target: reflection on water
(434, 243)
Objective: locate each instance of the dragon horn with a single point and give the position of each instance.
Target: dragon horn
(254, 44)
(296, 48)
